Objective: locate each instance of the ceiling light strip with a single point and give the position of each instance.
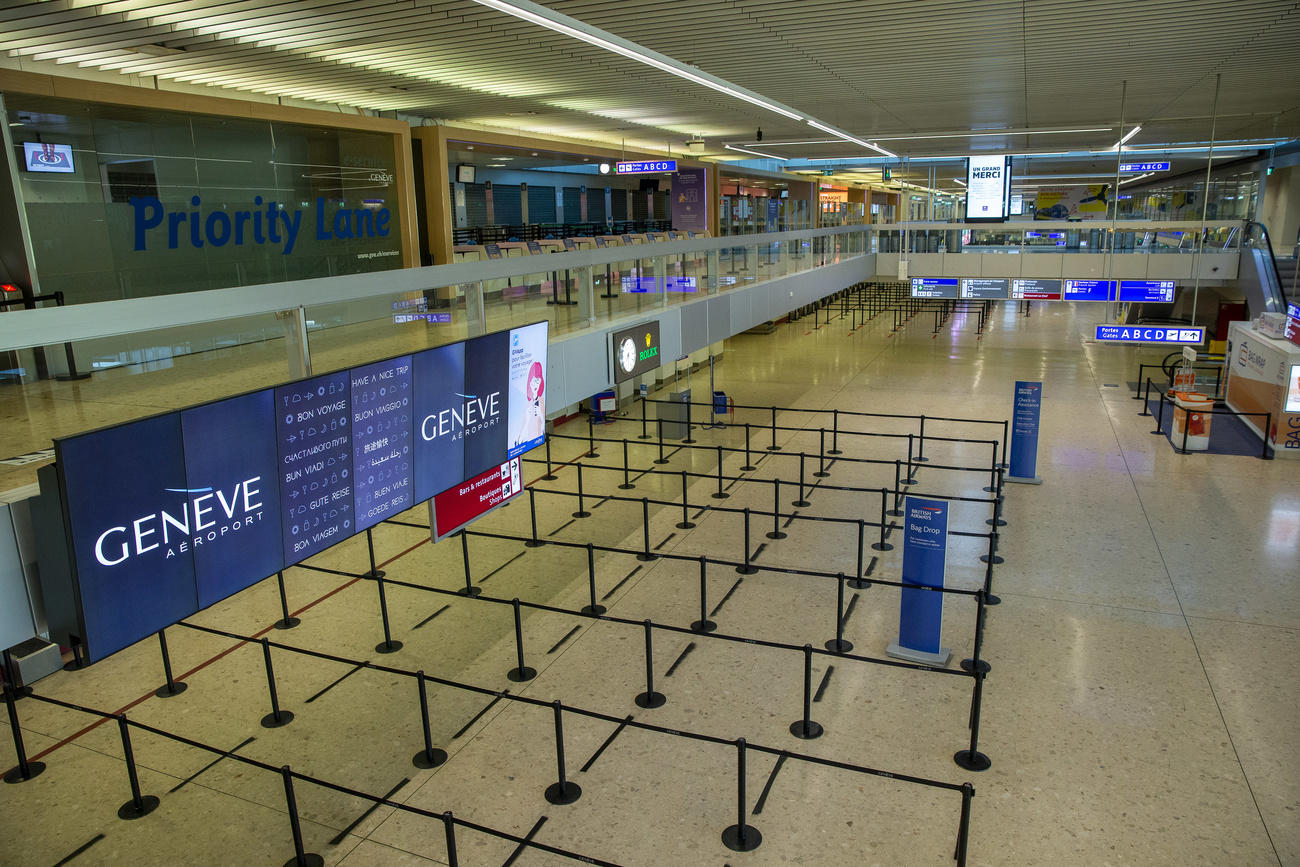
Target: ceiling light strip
(755, 153)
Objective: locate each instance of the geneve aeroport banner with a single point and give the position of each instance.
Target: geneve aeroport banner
(170, 514)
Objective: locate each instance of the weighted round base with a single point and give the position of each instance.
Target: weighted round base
(388, 647)
(689, 442)
(287, 624)
(703, 626)
(171, 689)
(549, 477)
(1156, 433)
(433, 759)
(819, 474)
(593, 609)
(999, 523)
(807, 732)
(651, 700)
(921, 459)
(747, 468)
(566, 795)
(627, 487)
(75, 665)
(989, 489)
(720, 495)
(374, 573)
(881, 546)
(907, 482)
(858, 583)
(685, 525)
(776, 534)
(990, 599)
(582, 514)
(592, 455)
(839, 645)
(271, 722)
(969, 761)
(646, 558)
(801, 504)
(34, 769)
(519, 675)
(746, 570)
(643, 436)
(308, 859)
(995, 559)
(470, 591)
(148, 803)
(969, 665)
(534, 543)
(732, 838)
(834, 452)
(895, 513)
(660, 461)
(774, 448)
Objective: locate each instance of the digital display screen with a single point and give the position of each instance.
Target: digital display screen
(1036, 290)
(1146, 291)
(934, 287)
(43, 157)
(465, 174)
(1089, 290)
(1293, 389)
(985, 288)
(988, 188)
(197, 504)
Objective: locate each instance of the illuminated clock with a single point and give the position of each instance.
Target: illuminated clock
(627, 355)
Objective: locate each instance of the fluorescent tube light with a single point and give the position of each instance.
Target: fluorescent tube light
(756, 153)
(1128, 135)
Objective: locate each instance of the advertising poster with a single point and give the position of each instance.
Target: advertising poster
(134, 521)
(1072, 203)
(690, 200)
(440, 413)
(231, 471)
(527, 401)
(988, 185)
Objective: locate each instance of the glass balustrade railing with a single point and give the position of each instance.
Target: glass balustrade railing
(1125, 236)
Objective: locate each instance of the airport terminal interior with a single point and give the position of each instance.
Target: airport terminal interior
(484, 432)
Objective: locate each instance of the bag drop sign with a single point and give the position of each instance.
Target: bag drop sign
(156, 224)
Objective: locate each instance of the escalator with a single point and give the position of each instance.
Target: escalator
(1257, 275)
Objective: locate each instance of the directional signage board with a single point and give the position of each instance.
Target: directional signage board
(1089, 290)
(645, 167)
(1175, 335)
(1036, 290)
(934, 287)
(1144, 167)
(985, 288)
(1145, 292)
(472, 499)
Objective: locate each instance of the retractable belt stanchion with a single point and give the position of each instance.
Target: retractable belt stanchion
(974, 663)
(720, 494)
(911, 470)
(821, 454)
(749, 463)
(171, 687)
(896, 511)
(139, 805)
(550, 474)
(285, 621)
(689, 439)
(627, 482)
(449, 832)
(469, 589)
(650, 698)
(858, 582)
(644, 434)
(882, 545)
(520, 672)
(838, 644)
(741, 837)
(277, 717)
(746, 569)
(374, 572)
(591, 435)
(429, 757)
(661, 459)
(774, 447)
(971, 759)
(582, 506)
(704, 624)
(26, 770)
(564, 790)
(645, 556)
(802, 501)
(777, 532)
(388, 645)
(532, 515)
(592, 607)
(805, 729)
(301, 858)
(920, 448)
(685, 523)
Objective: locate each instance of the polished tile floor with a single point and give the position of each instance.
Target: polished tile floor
(1139, 709)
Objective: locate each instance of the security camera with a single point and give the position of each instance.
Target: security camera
(758, 136)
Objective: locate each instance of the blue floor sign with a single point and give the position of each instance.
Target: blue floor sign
(1024, 433)
(1172, 334)
(925, 552)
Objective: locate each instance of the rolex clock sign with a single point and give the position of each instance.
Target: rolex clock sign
(635, 350)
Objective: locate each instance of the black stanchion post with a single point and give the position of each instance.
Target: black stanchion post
(997, 520)
(838, 644)
(992, 486)
(532, 515)
(805, 729)
(171, 687)
(582, 506)
(741, 837)
(645, 556)
(992, 557)
(449, 831)
(821, 454)
(520, 672)
(1268, 426)
(746, 569)
(689, 439)
(644, 434)
(963, 826)
(920, 446)
(972, 759)
(26, 770)
(777, 532)
(774, 447)
(835, 433)
(704, 624)
(591, 434)
(563, 791)
(749, 463)
(720, 494)
(803, 500)
(550, 474)
(882, 545)
(627, 482)
(661, 459)
(592, 607)
(429, 757)
(375, 572)
(388, 645)
(1187, 426)
(974, 662)
(139, 805)
(685, 523)
(1160, 417)
(858, 582)
(898, 491)
(469, 589)
(285, 621)
(911, 477)
(1146, 402)
(1005, 435)
(301, 858)
(276, 717)
(650, 698)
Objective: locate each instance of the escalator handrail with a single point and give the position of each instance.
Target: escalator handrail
(1252, 228)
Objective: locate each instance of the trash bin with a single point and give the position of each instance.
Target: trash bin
(1192, 414)
(674, 415)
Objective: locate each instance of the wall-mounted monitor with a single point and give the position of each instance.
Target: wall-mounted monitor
(464, 174)
(46, 157)
(988, 188)
(635, 350)
(1293, 389)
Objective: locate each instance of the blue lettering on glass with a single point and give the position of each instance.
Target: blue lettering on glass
(265, 222)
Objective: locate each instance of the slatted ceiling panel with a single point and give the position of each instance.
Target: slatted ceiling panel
(871, 67)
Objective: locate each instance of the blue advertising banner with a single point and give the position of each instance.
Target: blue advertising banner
(925, 554)
(1024, 433)
(381, 440)
(773, 209)
(690, 200)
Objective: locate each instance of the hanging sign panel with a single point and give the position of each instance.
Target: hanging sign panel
(988, 188)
